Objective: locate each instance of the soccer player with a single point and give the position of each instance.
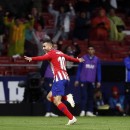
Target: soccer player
(57, 60)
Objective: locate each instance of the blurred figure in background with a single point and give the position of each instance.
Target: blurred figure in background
(17, 29)
(99, 104)
(117, 26)
(39, 35)
(82, 26)
(116, 102)
(71, 50)
(30, 47)
(100, 26)
(62, 20)
(2, 29)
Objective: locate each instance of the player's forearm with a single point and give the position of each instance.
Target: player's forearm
(69, 58)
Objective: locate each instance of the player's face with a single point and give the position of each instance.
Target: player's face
(46, 47)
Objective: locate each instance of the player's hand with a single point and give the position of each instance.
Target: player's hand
(76, 83)
(28, 58)
(80, 59)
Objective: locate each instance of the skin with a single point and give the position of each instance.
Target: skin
(47, 47)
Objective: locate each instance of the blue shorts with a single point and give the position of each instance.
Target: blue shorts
(58, 88)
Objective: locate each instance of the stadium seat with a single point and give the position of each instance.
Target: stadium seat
(96, 43)
(18, 70)
(104, 56)
(2, 73)
(5, 71)
(5, 60)
(31, 69)
(19, 61)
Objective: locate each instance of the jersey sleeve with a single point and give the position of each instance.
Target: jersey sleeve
(69, 58)
(41, 58)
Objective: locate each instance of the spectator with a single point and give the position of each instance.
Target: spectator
(38, 16)
(87, 73)
(30, 47)
(82, 26)
(35, 13)
(39, 35)
(17, 29)
(117, 26)
(71, 50)
(100, 26)
(2, 29)
(116, 102)
(126, 7)
(62, 21)
(99, 103)
(98, 98)
(83, 5)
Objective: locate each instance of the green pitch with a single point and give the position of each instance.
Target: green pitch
(58, 123)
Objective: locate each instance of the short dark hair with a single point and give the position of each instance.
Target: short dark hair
(91, 46)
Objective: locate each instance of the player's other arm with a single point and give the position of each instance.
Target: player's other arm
(69, 58)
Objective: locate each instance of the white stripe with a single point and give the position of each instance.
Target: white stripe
(65, 77)
(56, 78)
(60, 76)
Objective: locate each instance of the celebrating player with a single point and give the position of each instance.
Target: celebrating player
(57, 60)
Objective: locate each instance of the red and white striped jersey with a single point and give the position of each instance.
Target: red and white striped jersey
(58, 63)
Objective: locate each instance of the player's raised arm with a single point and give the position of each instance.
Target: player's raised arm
(28, 58)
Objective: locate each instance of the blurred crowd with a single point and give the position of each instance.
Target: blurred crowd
(23, 25)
